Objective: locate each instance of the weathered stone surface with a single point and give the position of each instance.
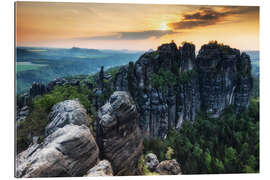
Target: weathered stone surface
(218, 77)
(151, 161)
(168, 167)
(23, 100)
(187, 57)
(118, 133)
(103, 168)
(101, 78)
(121, 80)
(22, 114)
(66, 112)
(224, 78)
(68, 151)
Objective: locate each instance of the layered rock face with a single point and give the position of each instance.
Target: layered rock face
(162, 108)
(118, 133)
(224, 78)
(218, 77)
(66, 112)
(69, 148)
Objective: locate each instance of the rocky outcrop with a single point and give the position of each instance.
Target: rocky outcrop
(165, 107)
(69, 151)
(168, 167)
(23, 100)
(121, 80)
(101, 78)
(244, 83)
(118, 133)
(187, 57)
(22, 114)
(218, 77)
(37, 89)
(224, 74)
(56, 82)
(151, 161)
(66, 112)
(103, 168)
(69, 148)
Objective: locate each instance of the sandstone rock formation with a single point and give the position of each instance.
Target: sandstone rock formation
(118, 133)
(22, 114)
(68, 150)
(66, 112)
(37, 89)
(151, 161)
(218, 77)
(168, 167)
(103, 168)
(224, 78)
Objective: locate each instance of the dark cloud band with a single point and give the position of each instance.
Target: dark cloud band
(209, 16)
(130, 35)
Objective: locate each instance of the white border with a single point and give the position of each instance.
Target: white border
(7, 86)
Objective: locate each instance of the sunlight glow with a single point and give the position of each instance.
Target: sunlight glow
(163, 26)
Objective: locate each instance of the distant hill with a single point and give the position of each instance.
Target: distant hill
(34, 64)
(84, 50)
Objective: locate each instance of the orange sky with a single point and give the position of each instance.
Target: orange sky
(134, 26)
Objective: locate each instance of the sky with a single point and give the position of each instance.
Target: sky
(134, 26)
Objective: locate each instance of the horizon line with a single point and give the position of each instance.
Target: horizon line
(114, 49)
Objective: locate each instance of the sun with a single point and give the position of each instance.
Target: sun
(163, 26)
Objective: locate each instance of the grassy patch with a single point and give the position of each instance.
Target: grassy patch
(25, 66)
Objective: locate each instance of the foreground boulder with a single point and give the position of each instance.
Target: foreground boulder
(69, 148)
(151, 161)
(168, 167)
(103, 168)
(118, 133)
(69, 151)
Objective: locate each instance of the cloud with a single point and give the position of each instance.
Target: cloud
(138, 35)
(209, 16)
